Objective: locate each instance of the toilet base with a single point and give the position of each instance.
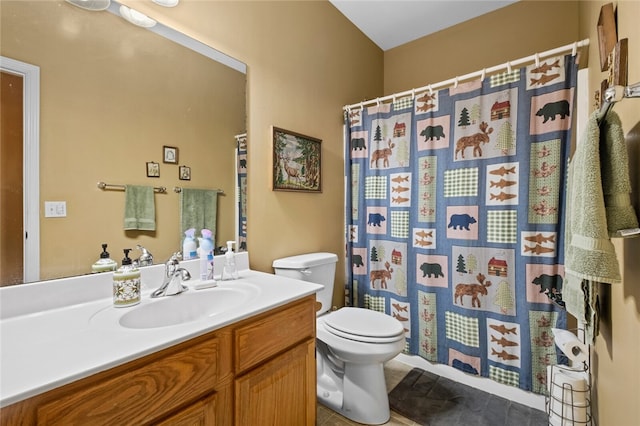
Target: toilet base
(363, 397)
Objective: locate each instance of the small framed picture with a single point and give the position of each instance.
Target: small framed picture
(170, 154)
(184, 173)
(153, 169)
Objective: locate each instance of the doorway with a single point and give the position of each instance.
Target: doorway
(20, 176)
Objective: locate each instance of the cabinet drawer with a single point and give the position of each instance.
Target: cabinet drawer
(273, 333)
(139, 395)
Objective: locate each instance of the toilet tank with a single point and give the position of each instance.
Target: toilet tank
(318, 268)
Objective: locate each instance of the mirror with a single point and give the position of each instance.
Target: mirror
(112, 95)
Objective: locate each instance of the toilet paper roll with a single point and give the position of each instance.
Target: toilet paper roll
(568, 387)
(570, 345)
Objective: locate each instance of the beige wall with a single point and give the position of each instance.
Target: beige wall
(110, 100)
(512, 32)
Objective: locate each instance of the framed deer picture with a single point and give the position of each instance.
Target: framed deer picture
(296, 162)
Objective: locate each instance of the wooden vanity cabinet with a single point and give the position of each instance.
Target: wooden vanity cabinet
(275, 368)
(260, 371)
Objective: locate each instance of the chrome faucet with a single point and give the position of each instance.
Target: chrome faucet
(145, 259)
(174, 275)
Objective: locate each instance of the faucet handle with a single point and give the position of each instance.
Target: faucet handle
(174, 260)
(145, 258)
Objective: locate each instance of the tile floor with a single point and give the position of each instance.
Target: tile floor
(394, 372)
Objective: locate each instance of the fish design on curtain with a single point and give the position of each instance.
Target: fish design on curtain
(454, 219)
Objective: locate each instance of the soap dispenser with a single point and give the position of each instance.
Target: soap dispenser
(126, 283)
(104, 263)
(229, 271)
(189, 246)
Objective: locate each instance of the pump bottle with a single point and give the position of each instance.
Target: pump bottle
(229, 271)
(104, 263)
(126, 283)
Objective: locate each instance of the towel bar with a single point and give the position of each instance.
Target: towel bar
(615, 94)
(108, 186)
(178, 189)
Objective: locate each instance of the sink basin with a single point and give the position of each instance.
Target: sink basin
(192, 305)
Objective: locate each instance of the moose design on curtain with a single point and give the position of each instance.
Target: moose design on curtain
(455, 219)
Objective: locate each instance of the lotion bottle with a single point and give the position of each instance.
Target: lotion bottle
(206, 255)
(229, 271)
(126, 283)
(189, 246)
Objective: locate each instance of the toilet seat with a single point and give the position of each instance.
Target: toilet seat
(364, 325)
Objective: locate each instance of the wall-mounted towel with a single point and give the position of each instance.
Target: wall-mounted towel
(198, 208)
(598, 205)
(139, 208)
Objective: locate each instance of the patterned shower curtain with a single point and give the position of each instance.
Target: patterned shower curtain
(241, 155)
(455, 219)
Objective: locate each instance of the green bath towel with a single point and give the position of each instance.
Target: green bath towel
(139, 208)
(598, 205)
(198, 209)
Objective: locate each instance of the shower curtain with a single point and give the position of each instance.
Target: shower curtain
(241, 155)
(455, 223)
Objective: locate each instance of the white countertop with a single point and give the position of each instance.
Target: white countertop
(46, 343)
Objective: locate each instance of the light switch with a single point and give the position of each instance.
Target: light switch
(55, 209)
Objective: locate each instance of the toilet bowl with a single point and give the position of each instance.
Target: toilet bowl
(351, 345)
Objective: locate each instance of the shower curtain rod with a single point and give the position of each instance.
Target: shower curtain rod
(573, 47)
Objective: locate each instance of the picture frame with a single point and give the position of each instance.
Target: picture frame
(297, 162)
(170, 154)
(184, 173)
(153, 169)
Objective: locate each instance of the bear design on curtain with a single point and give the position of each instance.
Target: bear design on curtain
(455, 219)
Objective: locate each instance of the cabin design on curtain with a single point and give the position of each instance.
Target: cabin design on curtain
(455, 218)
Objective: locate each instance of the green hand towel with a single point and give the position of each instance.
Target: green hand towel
(139, 208)
(598, 205)
(616, 184)
(198, 209)
(589, 252)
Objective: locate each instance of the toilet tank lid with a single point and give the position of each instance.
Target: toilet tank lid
(302, 261)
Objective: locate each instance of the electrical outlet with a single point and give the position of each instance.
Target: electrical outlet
(55, 209)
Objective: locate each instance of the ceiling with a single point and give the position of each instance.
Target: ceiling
(391, 23)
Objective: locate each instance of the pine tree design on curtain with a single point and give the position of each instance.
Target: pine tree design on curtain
(454, 217)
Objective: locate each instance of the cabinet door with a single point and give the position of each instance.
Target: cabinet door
(201, 413)
(281, 391)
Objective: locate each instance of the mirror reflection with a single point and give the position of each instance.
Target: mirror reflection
(112, 95)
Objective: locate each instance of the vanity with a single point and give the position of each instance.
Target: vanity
(247, 361)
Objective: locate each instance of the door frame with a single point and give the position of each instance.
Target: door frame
(31, 158)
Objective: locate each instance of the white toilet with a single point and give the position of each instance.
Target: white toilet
(352, 345)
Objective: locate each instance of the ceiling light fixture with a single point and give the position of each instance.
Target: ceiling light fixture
(166, 3)
(136, 18)
(92, 5)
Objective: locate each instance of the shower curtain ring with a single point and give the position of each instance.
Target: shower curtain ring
(484, 74)
(413, 94)
(378, 102)
(537, 59)
(430, 90)
(574, 51)
(509, 67)
(455, 82)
